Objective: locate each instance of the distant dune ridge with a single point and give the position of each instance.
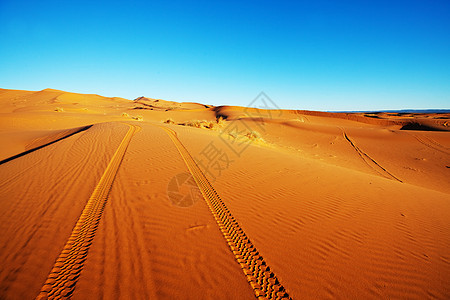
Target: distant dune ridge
(293, 203)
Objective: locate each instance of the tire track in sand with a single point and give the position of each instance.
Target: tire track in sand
(259, 275)
(62, 279)
(432, 144)
(370, 161)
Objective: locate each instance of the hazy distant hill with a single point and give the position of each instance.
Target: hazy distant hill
(417, 111)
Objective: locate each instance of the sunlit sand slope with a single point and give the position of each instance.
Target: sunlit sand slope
(109, 198)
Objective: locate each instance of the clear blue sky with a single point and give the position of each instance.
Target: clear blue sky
(321, 55)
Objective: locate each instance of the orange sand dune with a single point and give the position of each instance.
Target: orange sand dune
(104, 197)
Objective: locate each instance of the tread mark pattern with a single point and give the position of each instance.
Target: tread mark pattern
(259, 275)
(370, 161)
(63, 277)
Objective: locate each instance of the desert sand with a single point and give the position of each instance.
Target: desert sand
(109, 198)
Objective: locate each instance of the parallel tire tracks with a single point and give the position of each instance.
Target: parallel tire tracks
(370, 161)
(432, 144)
(62, 279)
(259, 275)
